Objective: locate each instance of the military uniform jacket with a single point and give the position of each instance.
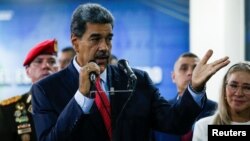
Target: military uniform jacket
(58, 117)
(16, 122)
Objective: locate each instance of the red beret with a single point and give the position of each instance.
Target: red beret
(45, 47)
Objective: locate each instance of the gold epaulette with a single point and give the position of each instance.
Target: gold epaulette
(10, 100)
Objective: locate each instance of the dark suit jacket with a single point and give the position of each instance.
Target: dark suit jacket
(208, 110)
(58, 117)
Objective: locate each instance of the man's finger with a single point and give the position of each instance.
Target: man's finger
(220, 61)
(206, 57)
(221, 65)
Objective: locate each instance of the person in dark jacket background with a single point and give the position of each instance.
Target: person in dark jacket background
(181, 76)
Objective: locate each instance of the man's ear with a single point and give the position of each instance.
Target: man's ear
(74, 41)
(173, 76)
(27, 70)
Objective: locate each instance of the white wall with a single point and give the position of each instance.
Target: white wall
(217, 25)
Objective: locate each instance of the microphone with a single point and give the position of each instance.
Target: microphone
(92, 78)
(124, 66)
(92, 75)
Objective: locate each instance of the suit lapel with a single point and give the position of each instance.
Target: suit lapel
(72, 76)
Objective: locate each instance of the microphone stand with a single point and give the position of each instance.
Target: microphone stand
(131, 89)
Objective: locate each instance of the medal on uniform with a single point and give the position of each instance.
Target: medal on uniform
(21, 113)
(20, 106)
(17, 113)
(30, 109)
(22, 120)
(24, 128)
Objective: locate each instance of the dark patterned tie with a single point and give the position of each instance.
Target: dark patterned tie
(103, 106)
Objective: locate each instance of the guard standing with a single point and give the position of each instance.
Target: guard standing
(16, 122)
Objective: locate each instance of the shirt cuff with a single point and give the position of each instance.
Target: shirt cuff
(197, 96)
(84, 102)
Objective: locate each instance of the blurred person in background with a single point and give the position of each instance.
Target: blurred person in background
(16, 123)
(234, 102)
(113, 60)
(65, 56)
(181, 76)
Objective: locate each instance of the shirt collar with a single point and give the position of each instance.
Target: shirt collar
(78, 68)
(103, 75)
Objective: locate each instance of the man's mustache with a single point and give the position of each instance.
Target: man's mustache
(102, 55)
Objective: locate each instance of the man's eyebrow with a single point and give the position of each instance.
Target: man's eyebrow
(95, 35)
(98, 35)
(185, 64)
(246, 84)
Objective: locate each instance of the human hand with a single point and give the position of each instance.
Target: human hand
(203, 71)
(84, 81)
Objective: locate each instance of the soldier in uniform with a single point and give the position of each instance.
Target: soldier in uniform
(16, 122)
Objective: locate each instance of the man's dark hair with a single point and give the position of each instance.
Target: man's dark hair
(89, 13)
(188, 54)
(69, 49)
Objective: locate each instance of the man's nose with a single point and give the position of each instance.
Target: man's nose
(46, 64)
(103, 45)
(190, 71)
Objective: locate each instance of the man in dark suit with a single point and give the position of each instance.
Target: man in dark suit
(66, 109)
(181, 76)
(16, 122)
